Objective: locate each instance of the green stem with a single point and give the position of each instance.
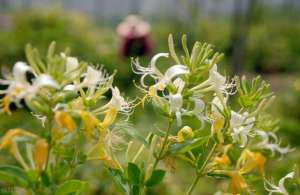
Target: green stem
(199, 173)
(193, 185)
(158, 158)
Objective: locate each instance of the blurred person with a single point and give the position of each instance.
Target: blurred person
(135, 37)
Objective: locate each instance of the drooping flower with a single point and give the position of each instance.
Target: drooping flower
(217, 117)
(241, 125)
(198, 110)
(176, 100)
(280, 189)
(249, 161)
(111, 109)
(269, 141)
(161, 80)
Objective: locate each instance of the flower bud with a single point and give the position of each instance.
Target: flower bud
(185, 133)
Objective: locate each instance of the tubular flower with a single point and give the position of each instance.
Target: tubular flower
(9, 141)
(238, 183)
(19, 87)
(223, 160)
(161, 80)
(90, 122)
(269, 141)
(176, 100)
(64, 120)
(198, 110)
(217, 118)
(249, 161)
(111, 109)
(241, 126)
(215, 82)
(40, 153)
(280, 189)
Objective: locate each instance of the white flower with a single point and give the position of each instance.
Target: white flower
(272, 188)
(161, 80)
(118, 101)
(215, 82)
(269, 141)
(20, 88)
(241, 125)
(92, 77)
(176, 100)
(198, 110)
(71, 63)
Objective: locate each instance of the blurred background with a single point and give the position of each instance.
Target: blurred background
(257, 37)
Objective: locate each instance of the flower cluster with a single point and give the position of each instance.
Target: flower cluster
(233, 136)
(68, 96)
(219, 125)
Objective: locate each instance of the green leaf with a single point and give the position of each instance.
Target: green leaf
(133, 173)
(135, 190)
(119, 179)
(72, 186)
(156, 177)
(14, 175)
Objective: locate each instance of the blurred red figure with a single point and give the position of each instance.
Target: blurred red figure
(135, 37)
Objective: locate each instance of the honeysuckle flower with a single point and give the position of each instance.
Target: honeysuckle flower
(238, 183)
(71, 63)
(269, 141)
(161, 80)
(217, 118)
(280, 189)
(90, 122)
(111, 109)
(64, 120)
(223, 159)
(198, 110)
(9, 141)
(19, 87)
(40, 153)
(215, 82)
(249, 161)
(176, 100)
(241, 125)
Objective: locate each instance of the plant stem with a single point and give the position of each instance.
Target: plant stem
(193, 185)
(158, 158)
(199, 173)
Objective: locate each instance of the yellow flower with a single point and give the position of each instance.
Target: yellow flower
(98, 152)
(217, 125)
(238, 182)
(7, 139)
(5, 104)
(40, 153)
(90, 122)
(185, 132)
(64, 120)
(56, 133)
(223, 159)
(109, 118)
(249, 161)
